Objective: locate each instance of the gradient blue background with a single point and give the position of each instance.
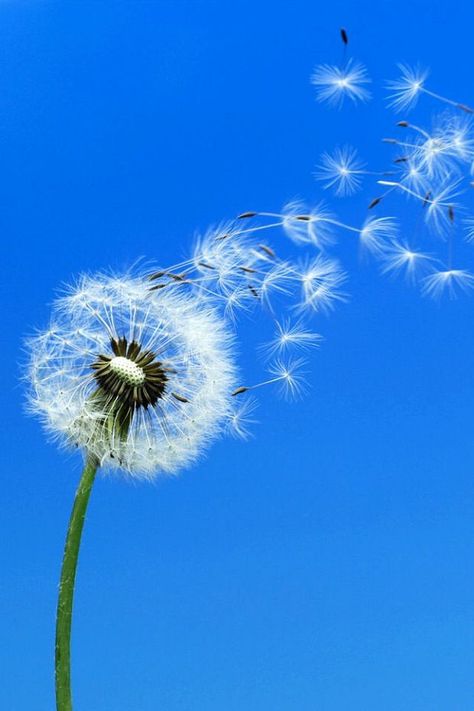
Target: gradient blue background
(328, 563)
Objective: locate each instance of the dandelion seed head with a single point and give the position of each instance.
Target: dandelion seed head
(140, 379)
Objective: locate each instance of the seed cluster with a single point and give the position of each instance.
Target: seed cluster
(132, 376)
(127, 370)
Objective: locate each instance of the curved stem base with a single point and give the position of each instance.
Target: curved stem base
(66, 587)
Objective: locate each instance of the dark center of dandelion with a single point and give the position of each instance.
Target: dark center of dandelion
(132, 377)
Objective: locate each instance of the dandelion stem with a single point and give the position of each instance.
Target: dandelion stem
(66, 587)
(457, 104)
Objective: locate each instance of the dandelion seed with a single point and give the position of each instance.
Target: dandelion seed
(241, 422)
(400, 258)
(450, 281)
(334, 83)
(292, 335)
(321, 282)
(459, 136)
(277, 281)
(411, 84)
(239, 391)
(376, 232)
(341, 170)
(305, 226)
(373, 203)
(290, 376)
(238, 300)
(413, 176)
(268, 251)
(407, 88)
(469, 222)
(440, 209)
(287, 374)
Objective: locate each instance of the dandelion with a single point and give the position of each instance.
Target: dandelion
(140, 380)
(450, 281)
(106, 374)
(139, 371)
(334, 83)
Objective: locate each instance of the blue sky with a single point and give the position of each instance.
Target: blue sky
(328, 563)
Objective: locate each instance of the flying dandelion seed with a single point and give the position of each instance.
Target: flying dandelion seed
(290, 335)
(341, 170)
(469, 228)
(333, 84)
(242, 422)
(321, 284)
(290, 376)
(412, 83)
(441, 204)
(305, 225)
(377, 232)
(449, 281)
(414, 176)
(407, 89)
(399, 258)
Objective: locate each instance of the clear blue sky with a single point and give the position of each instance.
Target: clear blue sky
(328, 563)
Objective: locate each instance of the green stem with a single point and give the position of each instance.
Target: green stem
(66, 587)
